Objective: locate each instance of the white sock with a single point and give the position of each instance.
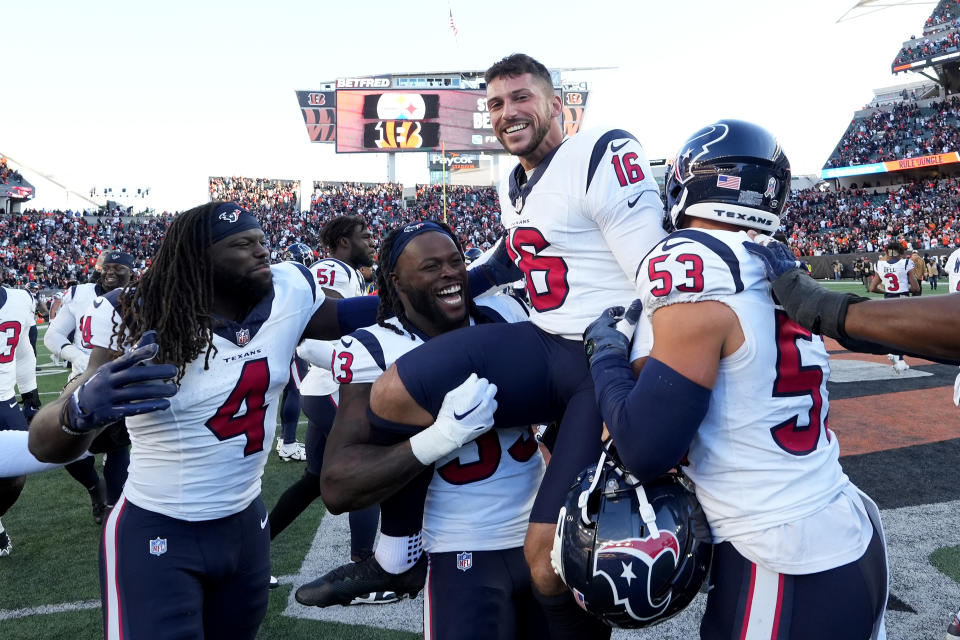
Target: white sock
(398, 554)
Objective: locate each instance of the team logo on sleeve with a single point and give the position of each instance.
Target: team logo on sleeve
(158, 546)
(243, 337)
(620, 562)
(464, 561)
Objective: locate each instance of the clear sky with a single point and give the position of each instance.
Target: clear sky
(129, 93)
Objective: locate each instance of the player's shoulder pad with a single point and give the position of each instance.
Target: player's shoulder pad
(113, 297)
(502, 307)
(693, 265)
(296, 273)
(601, 142)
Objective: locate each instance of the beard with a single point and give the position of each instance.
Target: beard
(425, 304)
(538, 135)
(246, 289)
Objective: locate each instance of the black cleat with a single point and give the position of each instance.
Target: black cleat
(5, 545)
(358, 579)
(98, 498)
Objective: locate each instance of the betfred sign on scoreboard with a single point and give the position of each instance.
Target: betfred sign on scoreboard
(413, 120)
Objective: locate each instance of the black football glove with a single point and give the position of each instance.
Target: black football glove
(612, 332)
(30, 404)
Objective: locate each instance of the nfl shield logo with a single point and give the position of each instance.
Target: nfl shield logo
(158, 546)
(243, 337)
(464, 560)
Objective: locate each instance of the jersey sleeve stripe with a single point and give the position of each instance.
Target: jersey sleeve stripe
(306, 274)
(3, 296)
(372, 345)
(600, 148)
(113, 297)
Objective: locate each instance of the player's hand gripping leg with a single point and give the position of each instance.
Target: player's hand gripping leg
(466, 413)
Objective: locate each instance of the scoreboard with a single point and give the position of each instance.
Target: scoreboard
(407, 120)
(417, 112)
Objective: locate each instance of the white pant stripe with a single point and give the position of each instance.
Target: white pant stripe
(427, 621)
(764, 604)
(114, 630)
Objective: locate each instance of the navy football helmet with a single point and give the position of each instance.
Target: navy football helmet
(472, 254)
(730, 171)
(299, 252)
(633, 555)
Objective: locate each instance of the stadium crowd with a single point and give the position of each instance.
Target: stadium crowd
(7, 173)
(938, 34)
(54, 248)
(903, 131)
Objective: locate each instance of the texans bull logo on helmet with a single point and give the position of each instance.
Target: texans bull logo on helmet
(621, 562)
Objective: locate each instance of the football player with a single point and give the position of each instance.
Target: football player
(68, 338)
(349, 245)
(896, 275)
(580, 213)
(17, 372)
(480, 494)
(287, 446)
(186, 549)
(736, 392)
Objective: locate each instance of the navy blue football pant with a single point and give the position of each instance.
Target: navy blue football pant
(481, 595)
(11, 417)
(290, 400)
(540, 378)
(168, 579)
(748, 601)
(320, 412)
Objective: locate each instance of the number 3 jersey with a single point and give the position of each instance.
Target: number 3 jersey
(202, 458)
(578, 225)
(17, 360)
(766, 466)
(895, 274)
(481, 494)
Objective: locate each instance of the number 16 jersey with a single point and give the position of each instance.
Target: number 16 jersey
(578, 226)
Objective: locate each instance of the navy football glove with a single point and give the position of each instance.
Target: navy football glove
(31, 404)
(612, 332)
(776, 257)
(123, 387)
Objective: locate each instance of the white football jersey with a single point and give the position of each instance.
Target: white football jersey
(202, 458)
(579, 226)
(481, 494)
(895, 275)
(72, 321)
(953, 271)
(17, 360)
(338, 276)
(765, 464)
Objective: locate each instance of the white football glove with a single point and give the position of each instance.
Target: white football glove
(77, 358)
(466, 412)
(956, 391)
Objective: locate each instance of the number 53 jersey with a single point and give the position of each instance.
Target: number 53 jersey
(202, 458)
(765, 464)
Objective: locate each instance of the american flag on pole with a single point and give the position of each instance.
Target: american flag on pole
(453, 27)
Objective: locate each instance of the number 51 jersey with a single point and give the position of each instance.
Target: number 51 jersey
(579, 226)
(202, 458)
(765, 464)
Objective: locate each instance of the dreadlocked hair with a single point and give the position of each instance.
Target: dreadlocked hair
(175, 295)
(339, 227)
(390, 303)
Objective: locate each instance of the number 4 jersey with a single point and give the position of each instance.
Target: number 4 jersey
(202, 458)
(764, 462)
(578, 225)
(481, 494)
